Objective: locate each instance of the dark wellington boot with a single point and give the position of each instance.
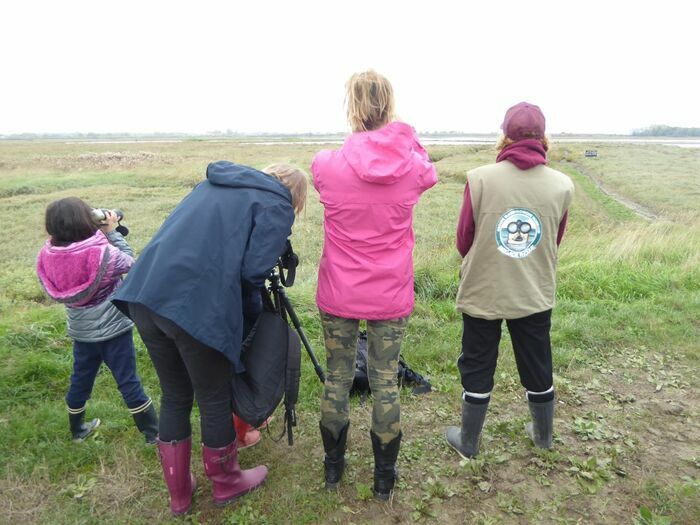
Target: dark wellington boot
(79, 429)
(334, 461)
(466, 440)
(385, 473)
(540, 429)
(147, 422)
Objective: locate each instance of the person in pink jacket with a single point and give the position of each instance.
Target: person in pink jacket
(368, 189)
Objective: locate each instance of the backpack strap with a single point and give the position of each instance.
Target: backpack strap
(291, 388)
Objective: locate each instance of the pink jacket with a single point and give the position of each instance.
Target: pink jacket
(82, 274)
(368, 189)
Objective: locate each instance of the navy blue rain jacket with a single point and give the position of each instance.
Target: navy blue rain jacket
(226, 235)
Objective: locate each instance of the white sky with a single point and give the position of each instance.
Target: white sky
(198, 66)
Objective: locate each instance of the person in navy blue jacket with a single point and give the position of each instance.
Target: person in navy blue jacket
(186, 295)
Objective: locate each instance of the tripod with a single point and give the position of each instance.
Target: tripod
(284, 307)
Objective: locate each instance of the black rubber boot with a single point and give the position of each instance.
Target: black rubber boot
(79, 429)
(385, 473)
(334, 462)
(466, 440)
(147, 422)
(540, 430)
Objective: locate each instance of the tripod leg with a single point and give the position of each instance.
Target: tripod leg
(302, 335)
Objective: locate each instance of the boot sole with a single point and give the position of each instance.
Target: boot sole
(250, 444)
(453, 447)
(461, 454)
(181, 513)
(381, 496)
(232, 499)
(265, 424)
(81, 439)
(385, 496)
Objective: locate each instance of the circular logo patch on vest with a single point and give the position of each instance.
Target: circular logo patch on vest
(518, 232)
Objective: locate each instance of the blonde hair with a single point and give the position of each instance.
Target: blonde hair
(504, 142)
(370, 101)
(294, 179)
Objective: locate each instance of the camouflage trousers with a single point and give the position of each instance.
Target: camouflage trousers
(383, 348)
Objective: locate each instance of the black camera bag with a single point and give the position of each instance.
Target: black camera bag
(272, 358)
(406, 376)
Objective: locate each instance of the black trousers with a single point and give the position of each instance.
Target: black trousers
(186, 369)
(531, 345)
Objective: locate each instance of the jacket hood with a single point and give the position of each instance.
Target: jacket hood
(72, 274)
(225, 173)
(384, 155)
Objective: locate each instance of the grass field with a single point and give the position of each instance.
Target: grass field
(625, 334)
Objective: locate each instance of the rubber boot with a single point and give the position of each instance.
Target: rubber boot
(334, 461)
(175, 460)
(540, 429)
(79, 429)
(228, 480)
(385, 473)
(466, 440)
(246, 434)
(147, 423)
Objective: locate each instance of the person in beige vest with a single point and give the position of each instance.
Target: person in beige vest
(513, 218)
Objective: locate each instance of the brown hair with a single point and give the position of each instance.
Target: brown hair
(504, 141)
(370, 101)
(295, 179)
(69, 220)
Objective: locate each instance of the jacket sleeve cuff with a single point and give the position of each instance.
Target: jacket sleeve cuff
(114, 236)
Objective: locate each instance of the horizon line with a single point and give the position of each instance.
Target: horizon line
(234, 134)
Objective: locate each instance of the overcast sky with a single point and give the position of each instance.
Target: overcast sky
(198, 66)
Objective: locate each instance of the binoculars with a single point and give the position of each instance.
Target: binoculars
(99, 215)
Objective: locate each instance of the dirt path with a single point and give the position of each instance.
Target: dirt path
(639, 209)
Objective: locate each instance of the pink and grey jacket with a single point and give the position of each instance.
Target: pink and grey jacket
(83, 276)
(368, 189)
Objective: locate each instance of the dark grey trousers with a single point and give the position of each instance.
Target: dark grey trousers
(186, 369)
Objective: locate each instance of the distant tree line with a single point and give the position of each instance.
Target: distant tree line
(666, 131)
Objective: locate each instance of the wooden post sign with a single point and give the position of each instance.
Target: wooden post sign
(591, 153)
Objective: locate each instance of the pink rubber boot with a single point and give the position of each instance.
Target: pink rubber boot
(175, 460)
(246, 435)
(228, 480)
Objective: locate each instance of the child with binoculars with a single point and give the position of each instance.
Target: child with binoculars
(81, 265)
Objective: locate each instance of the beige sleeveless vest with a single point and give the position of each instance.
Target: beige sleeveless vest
(510, 269)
